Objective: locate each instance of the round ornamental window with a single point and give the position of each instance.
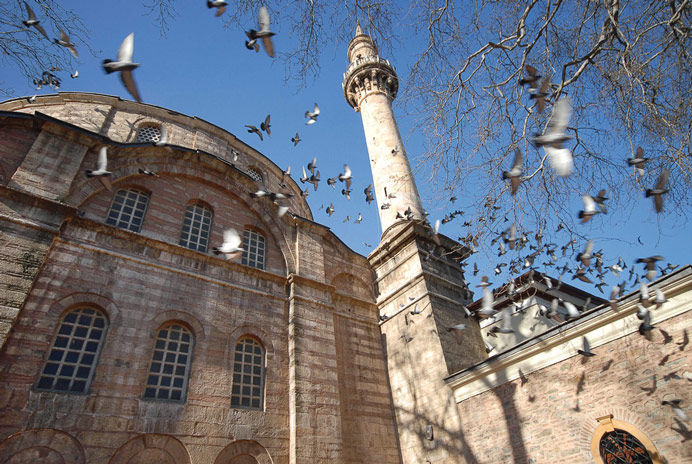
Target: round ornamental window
(619, 446)
(149, 134)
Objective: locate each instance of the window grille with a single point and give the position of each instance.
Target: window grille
(170, 364)
(148, 134)
(252, 172)
(253, 249)
(75, 351)
(620, 446)
(248, 374)
(127, 210)
(196, 227)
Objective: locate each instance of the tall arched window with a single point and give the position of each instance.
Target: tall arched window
(196, 227)
(253, 249)
(75, 350)
(128, 208)
(170, 363)
(248, 374)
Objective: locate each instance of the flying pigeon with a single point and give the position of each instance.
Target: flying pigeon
(251, 44)
(600, 201)
(560, 158)
(587, 349)
(32, 21)
(540, 95)
(75, 75)
(125, 65)
(658, 191)
(589, 209)
(675, 404)
(346, 176)
(650, 265)
(458, 332)
(532, 78)
(295, 139)
(359, 219)
(265, 126)
(64, 41)
(330, 209)
(264, 33)
(368, 194)
(312, 115)
(232, 245)
(220, 6)
(638, 161)
(312, 165)
(514, 173)
(101, 164)
(252, 129)
(147, 172)
(586, 256)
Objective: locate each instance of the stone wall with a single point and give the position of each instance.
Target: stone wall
(551, 414)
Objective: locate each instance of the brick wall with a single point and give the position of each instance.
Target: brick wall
(552, 416)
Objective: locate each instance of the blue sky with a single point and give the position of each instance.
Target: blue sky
(201, 68)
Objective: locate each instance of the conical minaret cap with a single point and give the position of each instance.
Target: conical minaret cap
(361, 46)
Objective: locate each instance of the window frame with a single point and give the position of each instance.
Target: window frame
(263, 375)
(186, 377)
(245, 258)
(607, 424)
(96, 354)
(140, 192)
(193, 205)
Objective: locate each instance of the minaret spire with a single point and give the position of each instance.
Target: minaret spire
(370, 85)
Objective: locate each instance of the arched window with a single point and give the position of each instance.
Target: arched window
(74, 352)
(248, 374)
(196, 227)
(170, 364)
(615, 441)
(253, 249)
(128, 208)
(255, 174)
(148, 133)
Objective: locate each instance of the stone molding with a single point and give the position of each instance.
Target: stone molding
(600, 325)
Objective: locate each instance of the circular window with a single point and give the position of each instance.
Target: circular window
(620, 446)
(149, 134)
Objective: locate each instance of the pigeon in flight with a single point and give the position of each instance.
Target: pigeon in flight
(312, 115)
(32, 21)
(273, 196)
(540, 95)
(251, 44)
(64, 41)
(330, 209)
(658, 191)
(514, 173)
(125, 65)
(101, 164)
(586, 256)
(359, 219)
(346, 176)
(331, 181)
(147, 172)
(75, 75)
(458, 332)
(368, 194)
(589, 209)
(650, 265)
(265, 126)
(638, 161)
(587, 349)
(220, 6)
(264, 33)
(232, 245)
(252, 129)
(560, 158)
(532, 77)
(295, 139)
(675, 404)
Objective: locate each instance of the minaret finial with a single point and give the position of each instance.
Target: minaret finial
(359, 31)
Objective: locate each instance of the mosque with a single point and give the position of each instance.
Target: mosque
(125, 339)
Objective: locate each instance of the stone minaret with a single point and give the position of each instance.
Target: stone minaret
(370, 85)
(412, 270)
